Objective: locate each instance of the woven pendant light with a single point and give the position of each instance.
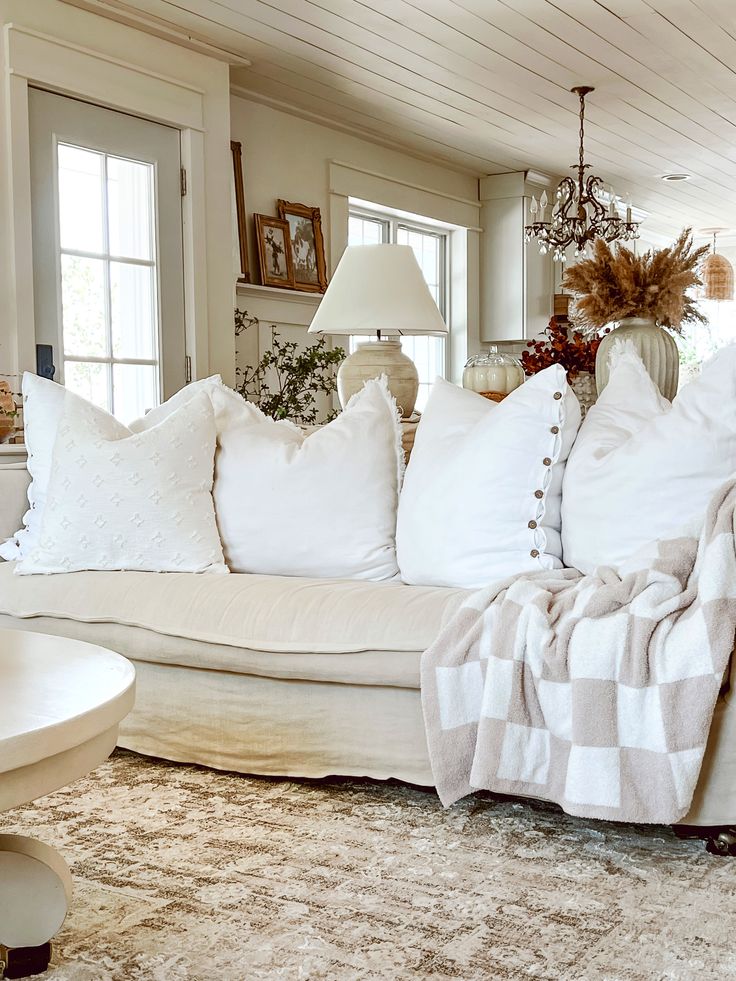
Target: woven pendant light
(717, 276)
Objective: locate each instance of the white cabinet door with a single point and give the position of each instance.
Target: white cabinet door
(107, 252)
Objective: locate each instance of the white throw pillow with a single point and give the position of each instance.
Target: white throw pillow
(481, 496)
(643, 468)
(44, 404)
(320, 505)
(122, 500)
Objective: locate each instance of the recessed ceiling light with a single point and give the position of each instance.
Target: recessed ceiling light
(675, 178)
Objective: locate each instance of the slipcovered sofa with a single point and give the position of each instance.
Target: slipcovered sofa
(276, 675)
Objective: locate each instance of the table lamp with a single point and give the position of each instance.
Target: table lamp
(379, 289)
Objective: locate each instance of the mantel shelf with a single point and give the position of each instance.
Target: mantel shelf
(277, 293)
(271, 304)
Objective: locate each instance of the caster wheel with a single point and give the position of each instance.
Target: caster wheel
(723, 844)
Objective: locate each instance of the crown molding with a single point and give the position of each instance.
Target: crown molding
(123, 13)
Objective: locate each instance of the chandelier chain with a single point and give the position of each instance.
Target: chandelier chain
(582, 136)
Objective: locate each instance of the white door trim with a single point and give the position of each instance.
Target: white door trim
(69, 69)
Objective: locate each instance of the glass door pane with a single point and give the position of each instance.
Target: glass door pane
(107, 251)
(108, 280)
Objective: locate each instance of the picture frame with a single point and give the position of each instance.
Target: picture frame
(307, 245)
(274, 251)
(236, 149)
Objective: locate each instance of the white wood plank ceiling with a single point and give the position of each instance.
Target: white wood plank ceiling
(484, 84)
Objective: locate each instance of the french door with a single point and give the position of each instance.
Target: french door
(107, 252)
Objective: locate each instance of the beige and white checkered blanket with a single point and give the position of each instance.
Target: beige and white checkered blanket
(596, 692)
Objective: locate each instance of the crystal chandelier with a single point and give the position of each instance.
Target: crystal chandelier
(582, 210)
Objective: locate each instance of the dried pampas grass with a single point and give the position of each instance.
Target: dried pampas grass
(616, 284)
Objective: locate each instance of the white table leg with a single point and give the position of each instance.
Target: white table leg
(35, 892)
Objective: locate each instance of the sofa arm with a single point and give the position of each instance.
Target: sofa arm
(14, 481)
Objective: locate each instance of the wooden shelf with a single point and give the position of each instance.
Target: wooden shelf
(273, 305)
(276, 292)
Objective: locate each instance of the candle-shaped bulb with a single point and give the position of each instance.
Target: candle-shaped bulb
(628, 208)
(543, 200)
(533, 206)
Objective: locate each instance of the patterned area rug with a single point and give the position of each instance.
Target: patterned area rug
(186, 874)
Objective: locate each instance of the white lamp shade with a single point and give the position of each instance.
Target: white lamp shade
(378, 287)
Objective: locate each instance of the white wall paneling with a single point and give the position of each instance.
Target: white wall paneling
(484, 84)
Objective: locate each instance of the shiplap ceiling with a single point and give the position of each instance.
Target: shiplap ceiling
(484, 84)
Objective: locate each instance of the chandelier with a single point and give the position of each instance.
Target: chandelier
(582, 211)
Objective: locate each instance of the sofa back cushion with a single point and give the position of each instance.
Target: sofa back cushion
(14, 481)
(121, 500)
(44, 404)
(643, 468)
(481, 497)
(321, 504)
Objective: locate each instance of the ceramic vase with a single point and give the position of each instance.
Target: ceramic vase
(655, 346)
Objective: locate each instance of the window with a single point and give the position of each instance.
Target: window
(107, 260)
(367, 227)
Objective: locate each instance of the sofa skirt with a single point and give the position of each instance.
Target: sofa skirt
(294, 728)
(277, 727)
(290, 727)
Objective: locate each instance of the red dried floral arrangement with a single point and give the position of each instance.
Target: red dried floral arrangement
(563, 345)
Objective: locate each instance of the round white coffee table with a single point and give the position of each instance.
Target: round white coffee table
(60, 706)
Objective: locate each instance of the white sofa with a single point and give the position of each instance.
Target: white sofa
(274, 675)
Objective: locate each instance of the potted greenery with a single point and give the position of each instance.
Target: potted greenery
(647, 295)
(570, 348)
(287, 381)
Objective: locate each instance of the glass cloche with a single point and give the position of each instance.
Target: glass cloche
(493, 375)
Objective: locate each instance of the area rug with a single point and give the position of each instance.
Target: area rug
(186, 874)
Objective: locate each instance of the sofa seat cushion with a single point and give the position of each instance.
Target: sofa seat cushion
(392, 669)
(275, 614)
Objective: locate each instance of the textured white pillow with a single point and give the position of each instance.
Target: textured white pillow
(320, 505)
(642, 469)
(44, 404)
(481, 496)
(123, 500)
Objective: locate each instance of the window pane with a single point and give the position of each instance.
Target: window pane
(91, 381)
(136, 390)
(132, 311)
(130, 208)
(80, 199)
(83, 306)
(366, 231)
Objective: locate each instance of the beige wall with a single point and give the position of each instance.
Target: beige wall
(285, 156)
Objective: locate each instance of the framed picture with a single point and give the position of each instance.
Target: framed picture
(240, 217)
(307, 245)
(274, 251)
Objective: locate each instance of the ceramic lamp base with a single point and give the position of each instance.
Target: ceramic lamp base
(377, 358)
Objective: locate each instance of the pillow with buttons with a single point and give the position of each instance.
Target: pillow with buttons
(644, 469)
(481, 495)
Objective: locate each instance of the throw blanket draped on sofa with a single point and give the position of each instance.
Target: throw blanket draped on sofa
(596, 692)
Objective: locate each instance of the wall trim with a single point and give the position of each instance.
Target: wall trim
(403, 183)
(129, 16)
(340, 126)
